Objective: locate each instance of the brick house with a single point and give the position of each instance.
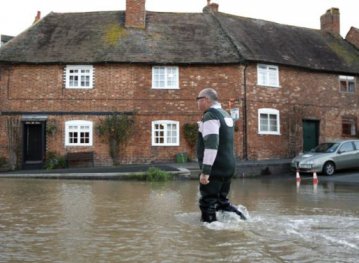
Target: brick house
(288, 87)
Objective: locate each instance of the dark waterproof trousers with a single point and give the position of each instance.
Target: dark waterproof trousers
(214, 195)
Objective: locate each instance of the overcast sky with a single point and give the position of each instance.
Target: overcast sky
(17, 15)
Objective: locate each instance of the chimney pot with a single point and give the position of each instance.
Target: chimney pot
(37, 17)
(210, 7)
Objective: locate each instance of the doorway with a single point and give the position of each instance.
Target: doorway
(310, 134)
(34, 144)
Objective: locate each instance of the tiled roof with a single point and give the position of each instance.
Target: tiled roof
(269, 42)
(178, 38)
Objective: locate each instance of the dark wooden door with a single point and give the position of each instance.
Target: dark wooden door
(310, 134)
(34, 144)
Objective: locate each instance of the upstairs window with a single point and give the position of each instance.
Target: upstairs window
(165, 133)
(349, 127)
(347, 84)
(164, 77)
(78, 133)
(79, 77)
(268, 121)
(267, 75)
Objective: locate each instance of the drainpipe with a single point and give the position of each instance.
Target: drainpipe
(245, 126)
(242, 61)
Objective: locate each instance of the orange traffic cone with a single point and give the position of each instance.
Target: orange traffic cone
(315, 178)
(297, 176)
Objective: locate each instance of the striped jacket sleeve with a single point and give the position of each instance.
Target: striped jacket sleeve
(209, 129)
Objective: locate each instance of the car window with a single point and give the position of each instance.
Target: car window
(347, 147)
(326, 148)
(356, 144)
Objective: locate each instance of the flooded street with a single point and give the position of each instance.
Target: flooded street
(131, 221)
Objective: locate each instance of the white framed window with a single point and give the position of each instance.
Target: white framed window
(347, 84)
(79, 76)
(268, 121)
(165, 77)
(268, 75)
(78, 133)
(165, 133)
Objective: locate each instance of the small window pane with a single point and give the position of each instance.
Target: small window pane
(267, 75)
(268, 121)
(73, 137)
(273, 123)
(79, 76)
(165, 77)
(78, 133)
(165, 133)
(347, 84)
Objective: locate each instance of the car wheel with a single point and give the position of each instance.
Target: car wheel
(329, 168)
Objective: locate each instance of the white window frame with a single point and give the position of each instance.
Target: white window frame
(268, 112)
(167, 79)
(268, 75)
(78, 126)
(79, 75)
(165, 130)
(347, 80)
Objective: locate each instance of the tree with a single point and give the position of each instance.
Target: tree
(190, 131)
(116, 129)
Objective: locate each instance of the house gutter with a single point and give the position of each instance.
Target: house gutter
(245, 126)
(242, 61)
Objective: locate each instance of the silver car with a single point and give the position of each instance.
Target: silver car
(328, 157)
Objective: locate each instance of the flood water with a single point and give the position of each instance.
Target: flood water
(131, 221)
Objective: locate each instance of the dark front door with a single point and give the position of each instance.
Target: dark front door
(310, 134)
(34, 144)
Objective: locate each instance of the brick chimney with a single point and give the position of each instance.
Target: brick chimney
(135, 13)
(37, 17)
(210, 7)
(330, 21)
(353, 36)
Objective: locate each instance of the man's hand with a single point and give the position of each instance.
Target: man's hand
(203, 178)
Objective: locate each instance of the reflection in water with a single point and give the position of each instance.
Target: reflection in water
(122, 221)
(76, 217)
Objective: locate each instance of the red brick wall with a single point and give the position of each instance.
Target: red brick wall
(117, 88)
(301, 95)
(127, 88)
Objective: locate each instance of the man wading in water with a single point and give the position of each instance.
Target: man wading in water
(215, 156)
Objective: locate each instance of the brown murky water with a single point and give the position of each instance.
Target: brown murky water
(122, 221)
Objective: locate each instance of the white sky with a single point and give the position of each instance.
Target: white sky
(17, 15)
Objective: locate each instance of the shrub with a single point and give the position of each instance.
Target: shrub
(116, 130)
(54, 161)
(154, 174)
(190, 131)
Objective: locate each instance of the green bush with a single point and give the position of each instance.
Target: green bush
(190, 131)
(116, 130)
(54, 161)
(154, 174)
